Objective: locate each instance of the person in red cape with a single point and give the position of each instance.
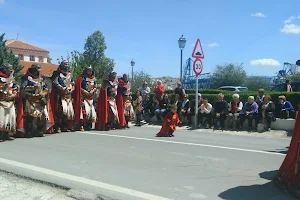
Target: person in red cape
(288, 176)
(34, 116)
(84, 110)
(61, 98)
(123, 93)
(8, 92)
(102, 108)
(170, 122)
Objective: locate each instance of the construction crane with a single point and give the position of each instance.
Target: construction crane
(189, 77)
(288, 70)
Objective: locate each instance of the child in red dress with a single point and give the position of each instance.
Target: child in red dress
(170, 122)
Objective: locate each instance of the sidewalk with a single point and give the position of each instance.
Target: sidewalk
(13, 187)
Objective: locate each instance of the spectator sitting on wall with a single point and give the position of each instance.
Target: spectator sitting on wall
(285, 109)
(176, 102)
(250, 112)
(159, 90)
(185, 110)
(164, 104)
(148, 112)
(234, 108)
(179, 90)
(220, 112)
(193, 104)
(204, 116)
(268, 112)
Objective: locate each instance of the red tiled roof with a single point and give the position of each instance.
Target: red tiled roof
(17, 44)
(46, 68)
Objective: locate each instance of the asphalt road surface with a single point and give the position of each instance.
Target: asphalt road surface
(133, 164)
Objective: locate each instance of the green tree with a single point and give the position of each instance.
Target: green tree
(294, 77)
(228, 75)
(93, 55)
(7, 56)
(49, 59)
(256, 82)
(139, 78)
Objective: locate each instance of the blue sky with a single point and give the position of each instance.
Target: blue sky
(261, 34)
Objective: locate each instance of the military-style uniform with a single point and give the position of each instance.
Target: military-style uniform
(8, 91)
(34, 109)
(61, 98)
(85, 89)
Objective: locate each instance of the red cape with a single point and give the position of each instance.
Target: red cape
(102, 109)
(288, 176)
(120, 107)
(170, 122)
(77, 99)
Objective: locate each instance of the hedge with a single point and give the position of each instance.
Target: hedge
(293, 97)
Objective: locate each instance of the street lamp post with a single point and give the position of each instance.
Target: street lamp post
(181, 43)
(132, 65)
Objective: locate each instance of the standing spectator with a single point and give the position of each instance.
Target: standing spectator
(204, 119)
(289, 86)
(139, 108)
(145, 90)
(286, 109)
(268, 110)
(185, 110)
(180, 91)
(220, 112)
(159, 90)
(234, 108)
(164, 103)
(250, 112)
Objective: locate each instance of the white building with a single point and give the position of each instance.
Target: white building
(27, 52)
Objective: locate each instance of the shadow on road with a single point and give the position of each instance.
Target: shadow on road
(256, 192)
(282, 151)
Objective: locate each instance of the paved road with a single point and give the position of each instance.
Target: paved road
(133, 164)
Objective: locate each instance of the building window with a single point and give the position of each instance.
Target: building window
(21, 57)
(32, 58)
(41, 59)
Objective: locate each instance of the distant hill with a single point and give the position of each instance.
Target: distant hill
(168, 82)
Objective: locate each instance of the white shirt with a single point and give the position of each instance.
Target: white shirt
(206, 110)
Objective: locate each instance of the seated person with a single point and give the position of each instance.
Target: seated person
(164, 103)
(234, 109)
(204, 118)
(176, 102)
(185, 110)
(285, 108)
(250, 112)
(268, 110)
(147, 105)
(220, 112)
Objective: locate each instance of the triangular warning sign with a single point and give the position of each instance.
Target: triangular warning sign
(198, 52)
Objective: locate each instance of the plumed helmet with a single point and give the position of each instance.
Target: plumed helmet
(298, 62)
(6, 68)
(64, 66)
(36, 66)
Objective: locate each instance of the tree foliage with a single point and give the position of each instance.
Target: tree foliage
(93, 55)
(7, 56)
(295, 77)
(49, 59)
(256, 82)
(228, 75)
(139, 78)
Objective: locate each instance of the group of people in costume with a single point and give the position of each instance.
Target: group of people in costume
(61, 104)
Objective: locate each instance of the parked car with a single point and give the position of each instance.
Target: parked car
(282, 87)
(234, 88)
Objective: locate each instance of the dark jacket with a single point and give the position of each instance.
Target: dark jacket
(221, 107)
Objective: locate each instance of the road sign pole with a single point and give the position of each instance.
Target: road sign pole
(196, 103)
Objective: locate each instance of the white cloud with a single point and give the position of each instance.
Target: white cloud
(258, 15)
(265, 62)
(291, 19)
(1, 1)
(213, 44)
(290, 28)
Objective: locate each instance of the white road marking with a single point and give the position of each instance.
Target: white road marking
(78, 179)
(184, 143)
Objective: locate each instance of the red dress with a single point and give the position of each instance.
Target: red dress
(169, 125)
(102, 110)
(288, 176)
